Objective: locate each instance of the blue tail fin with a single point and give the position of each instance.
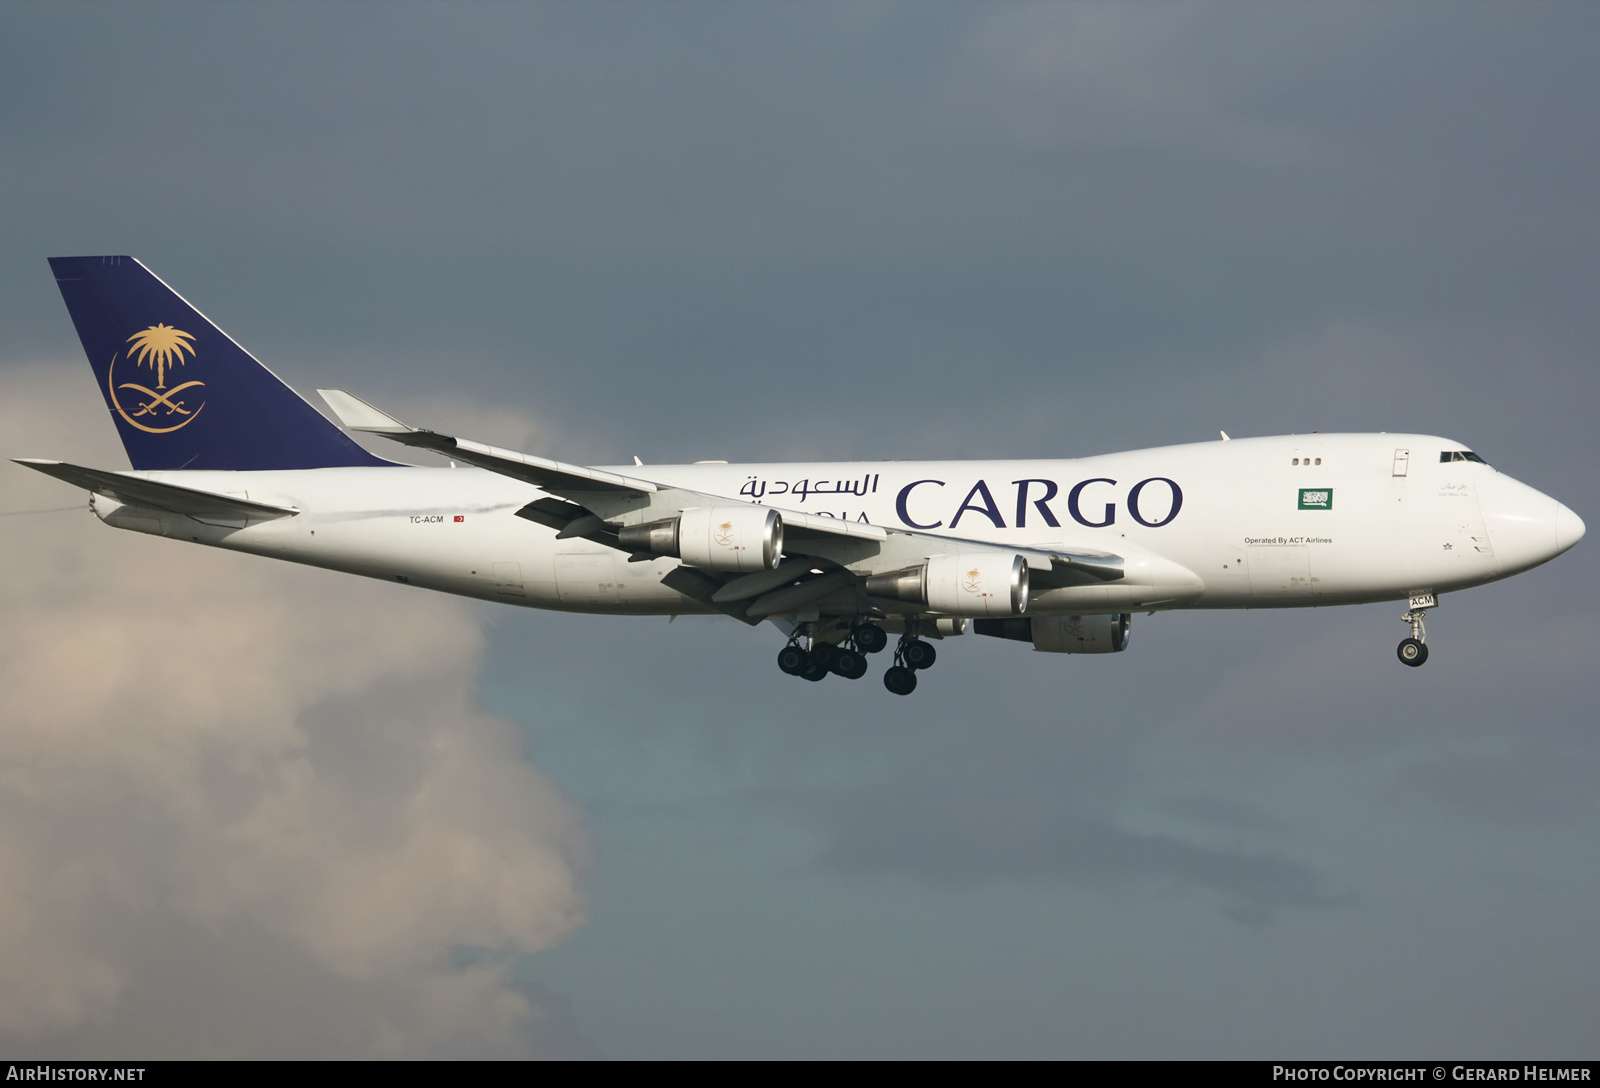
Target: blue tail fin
(182, 394)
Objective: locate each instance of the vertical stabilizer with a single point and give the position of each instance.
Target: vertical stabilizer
(183, 395)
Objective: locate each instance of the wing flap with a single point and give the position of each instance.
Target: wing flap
(701, 586)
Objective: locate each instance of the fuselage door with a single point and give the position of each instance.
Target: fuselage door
(1402, 462)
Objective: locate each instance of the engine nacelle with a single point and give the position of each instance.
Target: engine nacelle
(734, 538)
(1064, 634)
(972, 584)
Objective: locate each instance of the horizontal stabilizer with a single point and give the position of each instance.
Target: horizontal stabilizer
(136, 491)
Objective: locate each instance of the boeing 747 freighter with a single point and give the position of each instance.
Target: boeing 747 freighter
(1058, 554)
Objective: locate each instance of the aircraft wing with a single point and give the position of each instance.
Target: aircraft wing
(137, 491)
(584, 486)
(588, 502)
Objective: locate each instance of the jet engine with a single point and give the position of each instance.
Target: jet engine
(1064, 634)
(734, 538)
(973, 584)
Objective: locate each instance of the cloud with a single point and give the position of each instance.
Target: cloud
(1126, 75)
(248, 809)
(952, 834)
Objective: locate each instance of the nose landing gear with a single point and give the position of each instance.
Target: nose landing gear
(1413, 651)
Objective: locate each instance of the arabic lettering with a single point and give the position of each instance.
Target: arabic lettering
(756, 488)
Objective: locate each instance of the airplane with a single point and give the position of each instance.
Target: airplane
(1058, 554)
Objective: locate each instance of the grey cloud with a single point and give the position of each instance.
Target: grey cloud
(1523, 784)
(951, 833)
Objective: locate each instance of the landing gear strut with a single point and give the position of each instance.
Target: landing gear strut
(1413, 651)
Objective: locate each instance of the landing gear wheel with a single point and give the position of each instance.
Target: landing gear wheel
(813, 672)
(1412, 652)
(919, 655)
(824, 654)
(900, 680)
(793, 660)
(850, 665)
(870, 638)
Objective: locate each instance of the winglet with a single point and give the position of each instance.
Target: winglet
(357, 415)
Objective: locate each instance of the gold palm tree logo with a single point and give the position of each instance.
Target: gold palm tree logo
(159, 347)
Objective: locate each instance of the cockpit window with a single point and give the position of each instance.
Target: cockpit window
(1460, 455)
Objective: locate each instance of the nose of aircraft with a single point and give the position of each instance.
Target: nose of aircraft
(1569, 528)
(1526, 526)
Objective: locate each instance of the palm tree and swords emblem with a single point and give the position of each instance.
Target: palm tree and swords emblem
(159, 347)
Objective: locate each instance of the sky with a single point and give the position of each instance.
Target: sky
(254, 810)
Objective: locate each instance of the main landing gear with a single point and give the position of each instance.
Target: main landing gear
(1413, 651)
(846, 658)
(911, 655)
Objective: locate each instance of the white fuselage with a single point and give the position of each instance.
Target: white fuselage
(1261, 523)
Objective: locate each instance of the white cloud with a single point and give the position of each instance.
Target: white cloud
(248, 808)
